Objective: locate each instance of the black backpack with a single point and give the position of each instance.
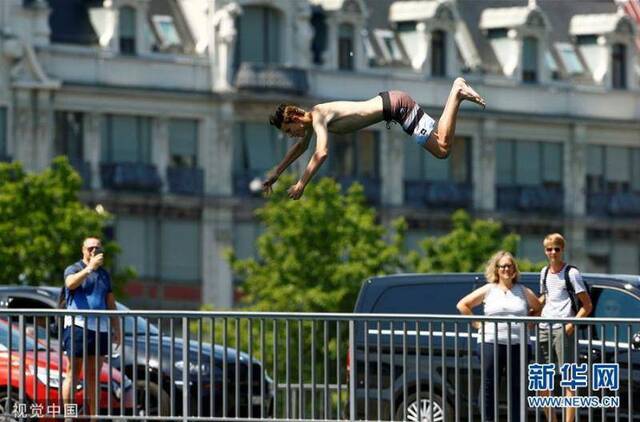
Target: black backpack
(575, 302)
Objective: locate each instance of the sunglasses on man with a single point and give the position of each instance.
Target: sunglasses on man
(556, 249)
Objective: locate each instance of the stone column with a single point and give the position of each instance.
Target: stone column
(93, 146)
(576, 236)
(392, 166)
(225, 35)
(44, 130)
(484, 166)
(217, 280)
(330, 55)
(217, 155)
(575, 172)
(160, 149)
(24, 128)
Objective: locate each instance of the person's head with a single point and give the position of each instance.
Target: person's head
(554, 247)
(502, 266)
(290, 119)
(91, 245)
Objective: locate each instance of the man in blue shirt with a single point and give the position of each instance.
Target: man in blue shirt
(87, 286)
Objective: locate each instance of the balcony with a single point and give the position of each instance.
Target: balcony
(620, 204)
(271, 77)
(371, 186)
(5, 158)
(242, 182)
(444, 195)
(530, 199)
(185, 180)
(129, 176)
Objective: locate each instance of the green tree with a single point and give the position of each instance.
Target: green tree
(315, 252)
(466, 248)
(43, 223)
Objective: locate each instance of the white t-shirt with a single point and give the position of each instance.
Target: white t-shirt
(497, 302)
(557, 303)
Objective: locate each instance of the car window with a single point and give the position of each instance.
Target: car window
(613, 303)
(431, 298)
(137, 324)
(15, 338)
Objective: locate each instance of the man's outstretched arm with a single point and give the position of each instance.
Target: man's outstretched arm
(318, 157)
(292, 155)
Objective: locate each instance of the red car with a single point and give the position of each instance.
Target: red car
(42, 393)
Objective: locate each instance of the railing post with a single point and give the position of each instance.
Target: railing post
(185, 368)
(523, 371)
(352, 372)
(21, 352)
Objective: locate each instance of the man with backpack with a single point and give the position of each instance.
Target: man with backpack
(563, 295)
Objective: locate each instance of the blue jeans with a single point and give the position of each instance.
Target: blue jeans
(490, 351)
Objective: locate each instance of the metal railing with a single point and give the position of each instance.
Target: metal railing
(304, 366)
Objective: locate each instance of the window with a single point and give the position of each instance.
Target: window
(245, 235)
(570, 58)
(257, 148)
(127, 30)
(345, 46)
(166, 30)
(137, 236)
(438, 53)
(528, 163)
(356, 155)
(126, 139)
(410, 299)
(388, 45)
(613, 169)
(180, 252)
(529, 60)
(259, 32)
(183, 142)
(420, 165)
(68, 135)
(613, 303)
(619, 66)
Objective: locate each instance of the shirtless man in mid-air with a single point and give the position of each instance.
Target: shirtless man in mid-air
(349, 116)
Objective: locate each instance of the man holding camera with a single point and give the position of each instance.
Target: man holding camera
(87, 287)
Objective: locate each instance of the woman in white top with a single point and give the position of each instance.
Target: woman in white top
(502, 296)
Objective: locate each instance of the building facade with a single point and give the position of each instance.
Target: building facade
(162, 107)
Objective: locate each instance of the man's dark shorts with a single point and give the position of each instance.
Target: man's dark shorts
(78, 342)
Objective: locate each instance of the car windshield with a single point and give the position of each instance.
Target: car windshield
(30, 344)
(136, 324)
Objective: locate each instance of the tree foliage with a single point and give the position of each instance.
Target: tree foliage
(315, 252)
(466, 248)
(43, 223)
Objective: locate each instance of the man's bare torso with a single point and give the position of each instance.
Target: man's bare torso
(349, 116)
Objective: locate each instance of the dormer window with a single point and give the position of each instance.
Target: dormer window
(166, 32)
(619, 66)
(388, 45)
(570, 59)
(438, 53)
(345, 47)
(127, 30)
(530, 60)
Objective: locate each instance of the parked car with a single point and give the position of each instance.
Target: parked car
(149, 375)
(612, 295)
(42, 381)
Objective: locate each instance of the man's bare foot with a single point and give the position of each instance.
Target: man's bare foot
(464, 91)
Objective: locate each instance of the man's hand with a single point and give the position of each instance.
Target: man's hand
(568, 329)
(296, 191)
(267, 185)
(96, 261)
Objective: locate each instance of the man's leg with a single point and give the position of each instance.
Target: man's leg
(70, 380)
(565, 351)
(441, 139)
(547, 357)
(92, 379)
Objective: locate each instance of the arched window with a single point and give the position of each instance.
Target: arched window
(345, 46)
(619, 66)
(530, 60)
(259, 35)
(127, 30)
(438, 53)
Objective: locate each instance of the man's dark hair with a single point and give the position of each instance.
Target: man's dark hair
(277, 118)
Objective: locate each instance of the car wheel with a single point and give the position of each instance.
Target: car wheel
(426, 407)
(155, 392)
(6, 406)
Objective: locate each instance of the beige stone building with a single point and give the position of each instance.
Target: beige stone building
(162, 107)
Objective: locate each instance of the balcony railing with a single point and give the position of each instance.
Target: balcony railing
(620, 204)
(371, 186)
(271, 77)
(5, 158)
(242, 183)
(185, 180)
(530, 199)
(447, 195)
(130, 176)
(84, 170)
